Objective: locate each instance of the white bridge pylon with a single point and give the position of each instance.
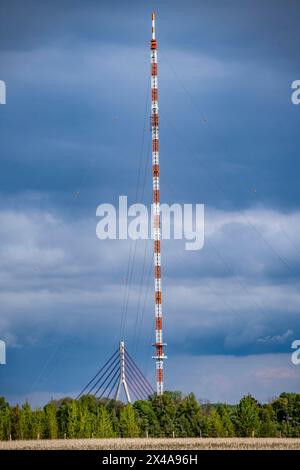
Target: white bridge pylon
(122, 380)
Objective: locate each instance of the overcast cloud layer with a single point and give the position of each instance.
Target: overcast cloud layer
(72, 138)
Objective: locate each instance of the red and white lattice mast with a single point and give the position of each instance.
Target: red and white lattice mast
(159, 353)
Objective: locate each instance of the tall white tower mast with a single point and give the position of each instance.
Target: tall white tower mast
(159, 354)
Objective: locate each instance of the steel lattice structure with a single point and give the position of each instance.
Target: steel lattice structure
(120, 369)
(156, 218)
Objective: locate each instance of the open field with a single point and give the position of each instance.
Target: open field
(156, 444)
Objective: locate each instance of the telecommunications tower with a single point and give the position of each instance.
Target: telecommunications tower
(120, 370)
(156, 218)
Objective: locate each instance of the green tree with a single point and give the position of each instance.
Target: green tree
(147, 418)
(86, 421)
(72, 421)
(158, 416)
(226, 417)
(15, 422)
(5, 420)
(189, 419)
(115, 410)
(104, 425)
(215, 424)
(62, 416)
(165, 407)
(287, 411)
(247, 417)
(26, 422)
(268, 424)
(50, 421)
(128, 422)
(90, 401)
(37, 424)
(3, 403)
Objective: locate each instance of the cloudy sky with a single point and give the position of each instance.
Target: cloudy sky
(73, 136)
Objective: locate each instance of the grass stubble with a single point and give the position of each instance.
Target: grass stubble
(156, 444)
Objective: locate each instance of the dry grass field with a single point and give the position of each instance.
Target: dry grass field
(156, 444)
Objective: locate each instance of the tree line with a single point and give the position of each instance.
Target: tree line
(169, 415)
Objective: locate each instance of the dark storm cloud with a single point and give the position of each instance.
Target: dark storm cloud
(223, 26)
(76, 75)
(76, 93)
(62, 293)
